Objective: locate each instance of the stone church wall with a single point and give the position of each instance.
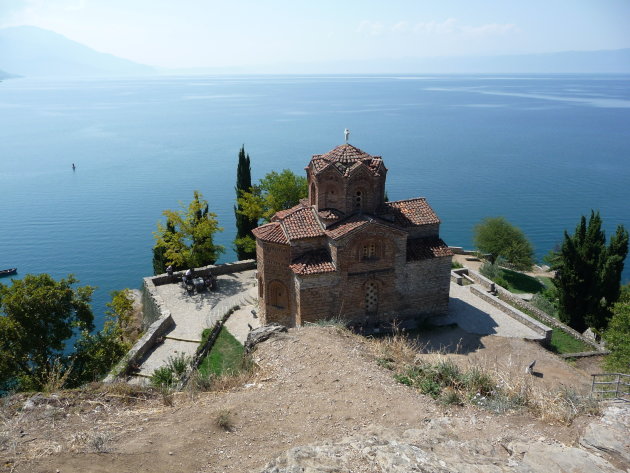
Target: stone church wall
(427, 284)
(273, 268)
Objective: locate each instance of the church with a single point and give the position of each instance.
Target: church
(345, 253)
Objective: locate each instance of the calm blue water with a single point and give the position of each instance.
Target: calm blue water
(539, 150)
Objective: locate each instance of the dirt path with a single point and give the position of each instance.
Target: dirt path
(314, 384)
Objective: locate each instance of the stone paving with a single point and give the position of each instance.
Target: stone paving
(194, 313)
(477, 316)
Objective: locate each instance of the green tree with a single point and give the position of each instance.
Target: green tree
(244, 242)
(501, 239)
(96, 354)
(37, 315)
(187, 237)
(159, 252)
(275, 192)
(617, 337)
(588, 273)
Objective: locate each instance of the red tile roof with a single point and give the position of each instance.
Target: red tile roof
(302, 222)
(409, 213)
(271, 232)
(425, 248)
(346, 158)
(339, 229)
(292, 224)
(314, 262)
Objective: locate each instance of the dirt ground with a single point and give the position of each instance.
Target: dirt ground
(313, 384)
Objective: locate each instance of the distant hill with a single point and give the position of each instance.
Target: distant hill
(6, 75)
(31, 51)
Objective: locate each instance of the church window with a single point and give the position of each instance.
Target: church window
(371, 297)
(313, 191)
(369, 250)
(358, 199)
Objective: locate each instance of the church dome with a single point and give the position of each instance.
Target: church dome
(345, 157)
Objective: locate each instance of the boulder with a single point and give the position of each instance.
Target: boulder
(261, 334)
(418, 450)
(610, 433)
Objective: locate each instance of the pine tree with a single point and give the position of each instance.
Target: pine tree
(588, 274)
(244, 242)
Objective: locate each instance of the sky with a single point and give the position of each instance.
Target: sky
(211, 33)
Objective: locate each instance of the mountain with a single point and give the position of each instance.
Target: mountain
(6, 75)
(32, 51)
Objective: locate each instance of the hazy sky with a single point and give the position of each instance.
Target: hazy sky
(190, 33)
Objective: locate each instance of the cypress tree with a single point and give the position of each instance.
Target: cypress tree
(588, 274)
(244, 224)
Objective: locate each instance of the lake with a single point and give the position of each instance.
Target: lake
(540, 150)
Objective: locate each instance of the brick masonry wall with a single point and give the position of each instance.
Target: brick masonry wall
(273, 265)
(317, 297)
(426, 286)
(424, 231)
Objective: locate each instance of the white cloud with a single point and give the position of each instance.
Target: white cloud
(450, 26)
(401, 27)
(372, 28)
(489, 29)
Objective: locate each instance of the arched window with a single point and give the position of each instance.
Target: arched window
(313, 196)
(369, 250)
(371, 297)
(358, 199)
(278, 295)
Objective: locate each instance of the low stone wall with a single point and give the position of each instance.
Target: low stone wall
(459, 250)
(517, 315)
(215, 269)
(546, 318)
(157, 320)
(158, 329)
(456, 278)
(152, 303)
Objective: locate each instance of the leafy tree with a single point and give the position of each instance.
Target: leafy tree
(159, 252)
(96, 354)
(244, 242)
(275, 192)
(187, 237)
(37, 315)
(617, 337)
(588, 273)
(501, 239)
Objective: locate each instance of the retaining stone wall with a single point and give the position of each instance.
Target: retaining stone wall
(512, 298)
(157, 329)
(525, 319)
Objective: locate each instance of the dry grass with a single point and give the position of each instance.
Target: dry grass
(224, 420)
(494, 387)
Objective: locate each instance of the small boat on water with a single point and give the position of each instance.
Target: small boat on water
(8, 272)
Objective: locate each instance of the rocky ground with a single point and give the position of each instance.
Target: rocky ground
(319, 402)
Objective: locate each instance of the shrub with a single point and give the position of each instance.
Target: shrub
(540, 301)
(224, 420)
(163, 377)
(179, 364)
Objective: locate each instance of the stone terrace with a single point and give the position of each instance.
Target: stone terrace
(194, 313)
